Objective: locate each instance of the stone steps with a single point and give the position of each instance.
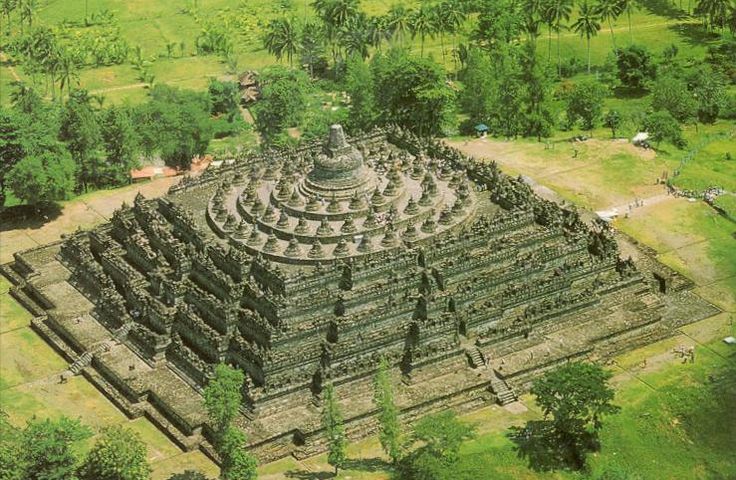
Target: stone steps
(84, 360)
(475, 357)
(504, 393)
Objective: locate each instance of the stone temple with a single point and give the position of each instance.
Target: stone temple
(306, 266)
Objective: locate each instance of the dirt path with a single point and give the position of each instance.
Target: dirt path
(115, 89)
(14, 74)
(248, 118)
(83, 212)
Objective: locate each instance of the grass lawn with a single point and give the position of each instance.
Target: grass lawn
(12, 315)
(691, 237)
(714, 161)
(17, 367)
(728, 203)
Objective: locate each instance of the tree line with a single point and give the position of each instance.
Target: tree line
(50, 151)
(502, 80)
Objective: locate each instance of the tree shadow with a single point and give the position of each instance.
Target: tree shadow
(306, 475)
(695, 34)
(533, 443)
(188, 475)
(367, 464)
(538, 443)
(665, 8)
(27, 216)
(360, 464)
(628, 93)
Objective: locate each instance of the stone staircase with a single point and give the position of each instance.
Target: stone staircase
(84, 360)
(504, 393)
(122, 332)
(475, 357)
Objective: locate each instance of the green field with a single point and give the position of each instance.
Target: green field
(152, 25)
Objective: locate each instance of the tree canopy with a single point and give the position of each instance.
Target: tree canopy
(176, 124)
(575, 398)
(388, 414)
(438, 438)
(332, 423)
(48, 448)
(222, 396)
(412, 92)
(283, 100)
(118, 454)
(44, 178)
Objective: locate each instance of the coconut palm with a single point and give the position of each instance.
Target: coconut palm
(628, 6)
(355, 37)
(713, 12)
(67, 73)
(556, 14)
(609, 10)
(453, 16)
(423, 22)
(24, 97)
(282, 38)
(334, 15)
(378, 31)
(398, 21)
(731, 20)
(6, 8)
(531, 18)
(27, 10)
(587, 25)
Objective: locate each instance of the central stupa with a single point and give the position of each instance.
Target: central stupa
(339, 170)
(353, 201)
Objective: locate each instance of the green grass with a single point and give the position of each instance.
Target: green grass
(711, 166)
(17, 366)
(12, 315)
(728, 204)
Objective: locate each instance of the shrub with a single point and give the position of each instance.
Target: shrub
(635, 66)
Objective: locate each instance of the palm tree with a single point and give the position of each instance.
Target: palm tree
(378, 31)
(24, 97)
(282, 38)
(99, 99)
(713, 12)
(453, 15)
(311, 44)
(628, 6)
(531, 18)
(335, 14)
(67, 73)
(343, 10)
(27, 12)
(355, 37)
(587, 25)
(423, 23)
(441, 26)
(398, 21)
(6, 8)
(609, 10)
(731, 20)
(557, 12)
